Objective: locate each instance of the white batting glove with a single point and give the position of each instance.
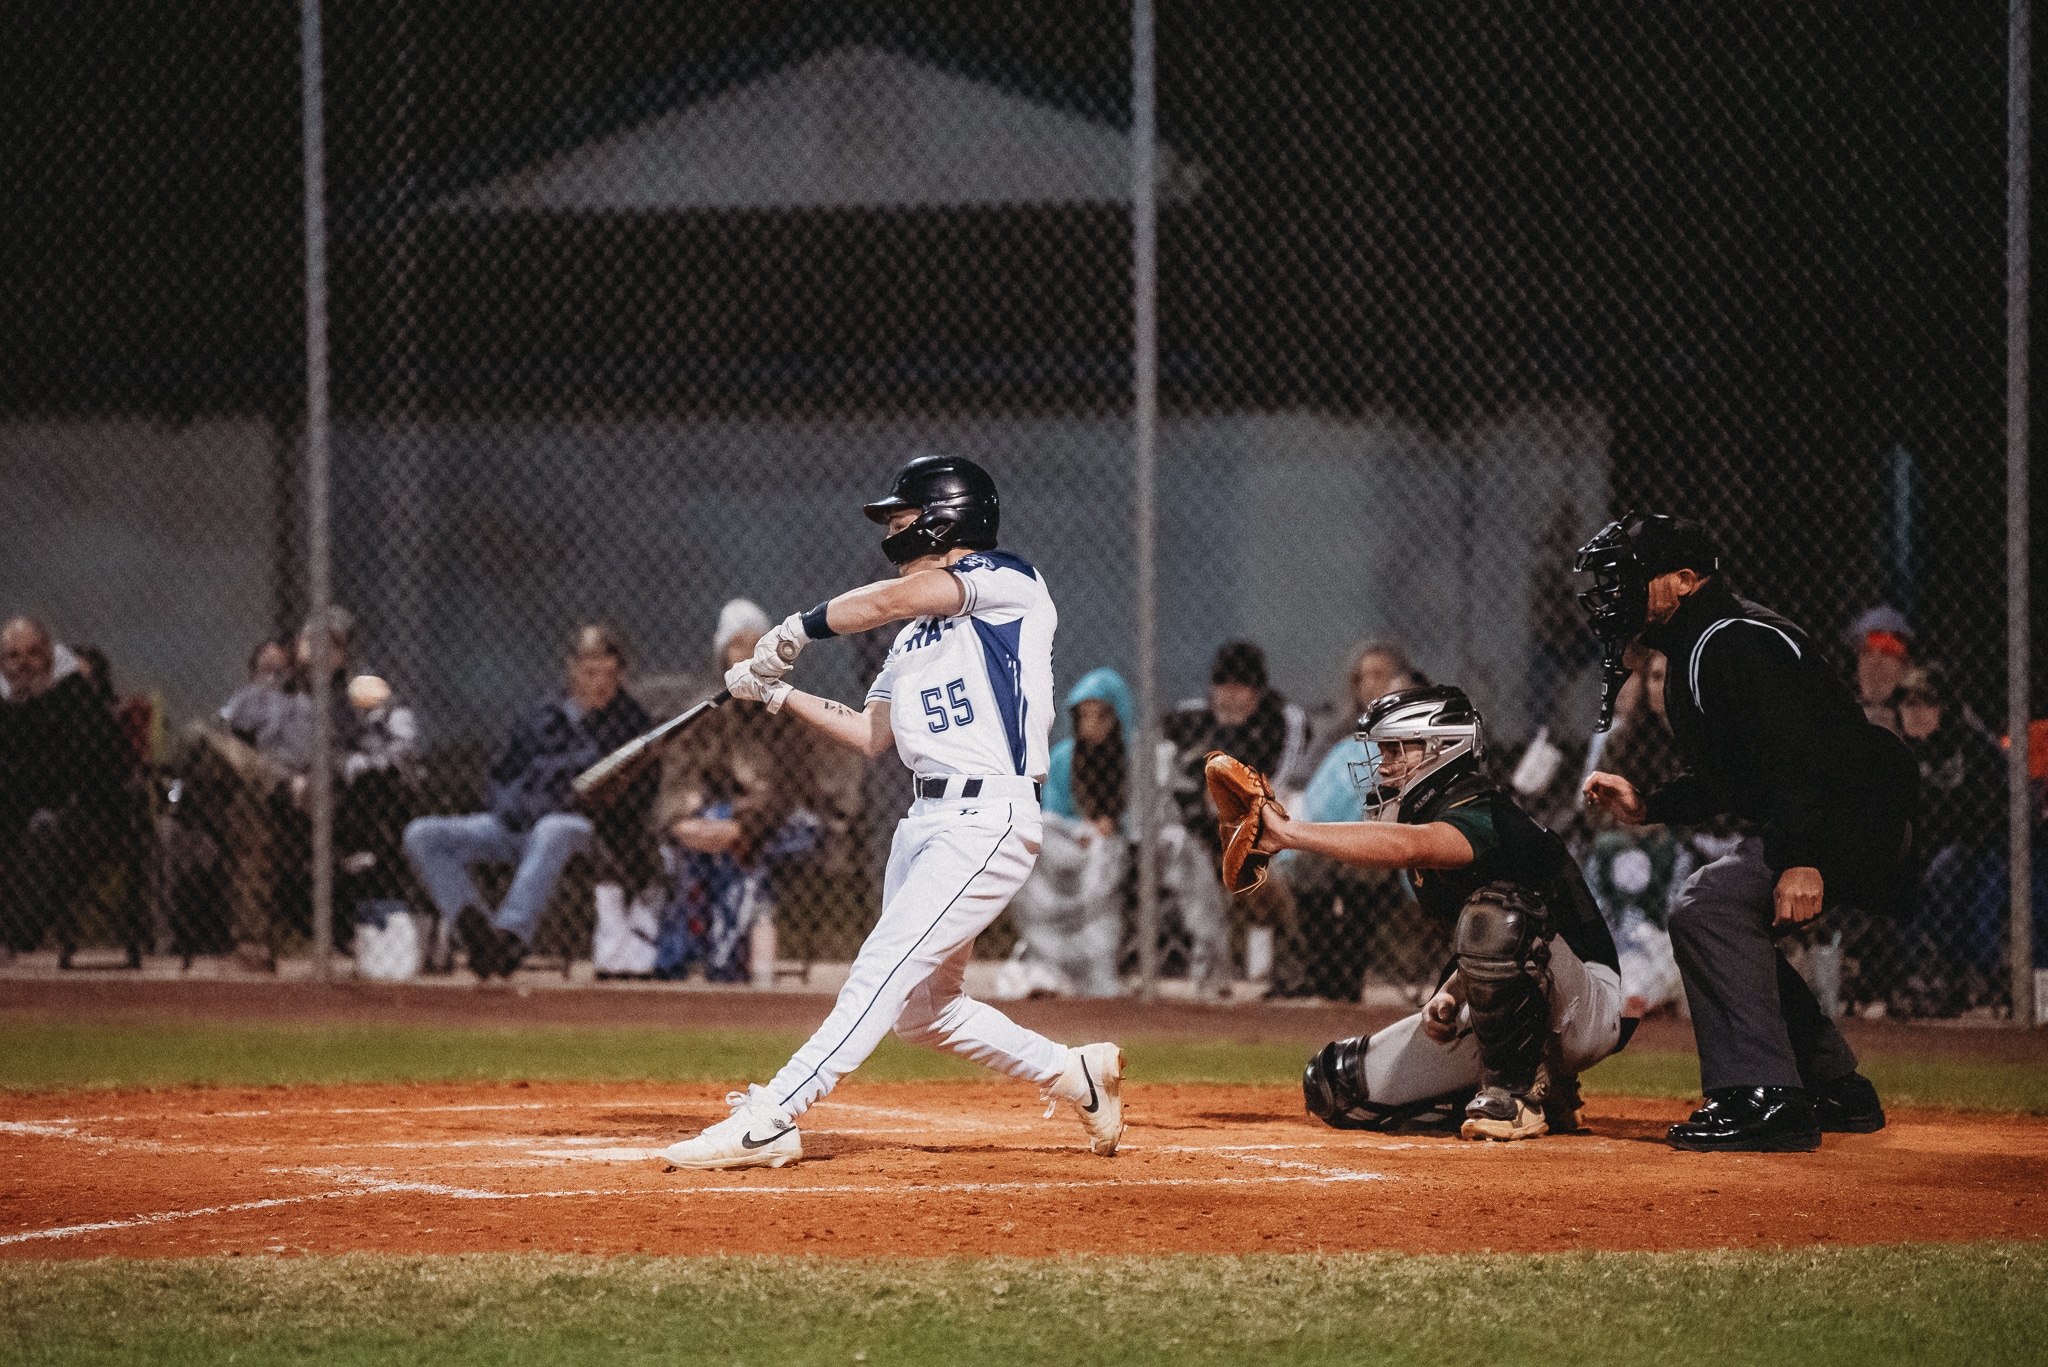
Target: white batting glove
(743, 683)
(775, 653)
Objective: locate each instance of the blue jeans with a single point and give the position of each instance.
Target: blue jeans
(442, 848)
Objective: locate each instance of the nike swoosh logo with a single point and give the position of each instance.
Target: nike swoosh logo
(747, 1141)
(1093, 1102)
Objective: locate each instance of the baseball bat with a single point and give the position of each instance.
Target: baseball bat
(602, 780)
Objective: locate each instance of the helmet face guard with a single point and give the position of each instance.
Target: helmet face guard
(1617, 606)
(1443, 721)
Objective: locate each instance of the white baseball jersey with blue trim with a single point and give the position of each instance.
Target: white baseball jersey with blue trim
(972, 693)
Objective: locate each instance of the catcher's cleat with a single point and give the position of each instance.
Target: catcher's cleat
(1497, 1113)
(758, 1134)
(1093, 1085)
(1563, 1110)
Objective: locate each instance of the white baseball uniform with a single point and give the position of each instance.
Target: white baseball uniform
(970, 703)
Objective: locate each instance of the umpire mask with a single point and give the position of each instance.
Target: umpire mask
(1623, 559)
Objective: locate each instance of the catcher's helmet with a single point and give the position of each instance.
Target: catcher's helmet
(956, 502)
(1439, 716)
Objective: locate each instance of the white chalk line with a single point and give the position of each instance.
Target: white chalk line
(360, 1185)
(165, 1217)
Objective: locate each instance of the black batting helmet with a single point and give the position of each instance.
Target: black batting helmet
(956, 502)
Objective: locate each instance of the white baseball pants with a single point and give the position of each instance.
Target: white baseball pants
(1402, 1064)
(953, 867)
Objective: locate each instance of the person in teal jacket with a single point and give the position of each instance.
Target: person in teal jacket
(1069, 914)
(1088, 777)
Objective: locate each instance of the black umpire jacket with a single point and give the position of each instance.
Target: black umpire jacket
(1771, 735)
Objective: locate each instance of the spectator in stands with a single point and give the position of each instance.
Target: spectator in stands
(63, 763)
(1069, 913)
(529, 824)
(1635, 871)
(743, 792)
(1951, 950)
(1337, 906)
(1245, 717)
(251, 779)
(1883, 642)
(1376, 668)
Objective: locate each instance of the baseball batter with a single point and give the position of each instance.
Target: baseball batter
(1533, 993)
(966, 698)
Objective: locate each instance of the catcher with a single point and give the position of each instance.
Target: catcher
(1532, 994)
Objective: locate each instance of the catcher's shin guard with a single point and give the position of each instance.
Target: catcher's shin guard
(1503, 951)
(1333, 1087)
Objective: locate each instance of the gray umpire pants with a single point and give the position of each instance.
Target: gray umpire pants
(1754, 1018)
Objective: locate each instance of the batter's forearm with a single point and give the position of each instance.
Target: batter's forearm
(862, 731)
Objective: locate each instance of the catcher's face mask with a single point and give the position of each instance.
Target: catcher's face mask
(1388, 768)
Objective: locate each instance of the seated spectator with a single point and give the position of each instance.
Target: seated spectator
(743, 793)
(63, 766)
(251, 780)
(1069, 913)
(1247, 719)
(1883, 642)
(1376, 669)
(1953, 947)
(1338, 905)
(1635, 872)
(529, 824)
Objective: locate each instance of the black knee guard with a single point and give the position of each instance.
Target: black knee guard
(1503, 951)
(1333, 1088)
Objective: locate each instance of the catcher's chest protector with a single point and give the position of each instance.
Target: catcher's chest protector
(1527, 855)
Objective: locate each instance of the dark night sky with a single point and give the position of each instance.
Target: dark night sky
(1767, 241)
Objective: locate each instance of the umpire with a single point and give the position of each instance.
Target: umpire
(1769, 734)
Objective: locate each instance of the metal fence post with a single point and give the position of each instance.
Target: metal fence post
(321, 781)
(1145, 371)
(2018, 663)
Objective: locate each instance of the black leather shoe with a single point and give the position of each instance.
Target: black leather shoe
(480, 941)
(1848, 1105)
(511, 949)
(1750, 1120)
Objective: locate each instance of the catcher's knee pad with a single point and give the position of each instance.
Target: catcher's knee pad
(1503, 951)
(1333, 1087)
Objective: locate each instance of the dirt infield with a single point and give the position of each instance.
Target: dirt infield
(910, 1169)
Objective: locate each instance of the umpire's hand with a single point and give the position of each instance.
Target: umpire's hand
(1797, 900)
(1615, 795)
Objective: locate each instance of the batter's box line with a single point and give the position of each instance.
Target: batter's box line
(376, 1185)
(169, 1216)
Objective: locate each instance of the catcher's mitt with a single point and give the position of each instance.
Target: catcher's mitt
(1241, 795)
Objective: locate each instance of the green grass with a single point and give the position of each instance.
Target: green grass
(49, 1054)
(1854, 1307)
(2013, 1087)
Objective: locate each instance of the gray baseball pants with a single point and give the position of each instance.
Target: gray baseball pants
(1753, 1017)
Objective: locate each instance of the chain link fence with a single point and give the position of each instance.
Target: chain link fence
(632, 308)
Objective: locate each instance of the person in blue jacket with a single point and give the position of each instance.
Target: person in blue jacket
(530, 824)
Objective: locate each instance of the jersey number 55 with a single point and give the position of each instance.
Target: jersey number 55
(956, 698)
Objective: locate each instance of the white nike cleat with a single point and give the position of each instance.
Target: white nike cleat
(1093, 1085)
(758, 1134)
